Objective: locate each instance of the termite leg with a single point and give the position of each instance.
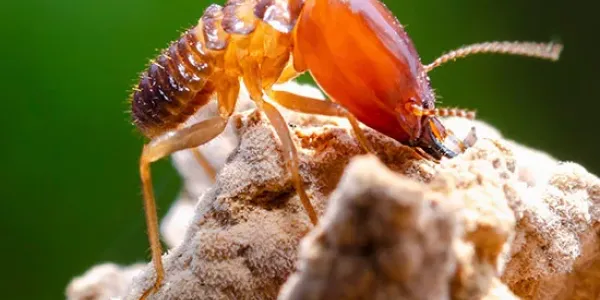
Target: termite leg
(315, 106)
(288, 73)
(290, 154)
(185, 138)
(308, 105)
(227, 97)
(251, 80)
(205, 164)
(358, 132)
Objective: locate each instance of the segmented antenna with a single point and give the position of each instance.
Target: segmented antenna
(443, 112)
(550, 51)
(453, 112)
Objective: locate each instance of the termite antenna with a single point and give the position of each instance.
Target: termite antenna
(550, 51)
(449, 112)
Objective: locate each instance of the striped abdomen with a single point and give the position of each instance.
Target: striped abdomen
(173, 87)
(183, 79)
(185, 75)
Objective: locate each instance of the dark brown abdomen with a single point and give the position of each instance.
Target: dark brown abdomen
(173, 88)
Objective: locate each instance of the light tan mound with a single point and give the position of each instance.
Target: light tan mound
(103, 282)
(498, 222)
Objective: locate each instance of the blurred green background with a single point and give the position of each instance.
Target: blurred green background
(69, 174)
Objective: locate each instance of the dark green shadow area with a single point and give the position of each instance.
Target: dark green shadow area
(70, 186)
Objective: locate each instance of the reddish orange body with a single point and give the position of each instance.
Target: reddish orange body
(377, 72)
(356, 50)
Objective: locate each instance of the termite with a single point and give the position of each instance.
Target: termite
(356, 50)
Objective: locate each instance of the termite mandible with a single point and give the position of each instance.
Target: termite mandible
(356, 50)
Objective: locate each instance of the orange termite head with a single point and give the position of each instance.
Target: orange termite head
(362, 58)
(414, 105)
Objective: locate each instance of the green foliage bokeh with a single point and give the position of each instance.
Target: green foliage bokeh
(70, 182)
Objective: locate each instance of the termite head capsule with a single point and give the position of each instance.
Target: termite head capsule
(415, 105)
(418, 117)
(362, 58)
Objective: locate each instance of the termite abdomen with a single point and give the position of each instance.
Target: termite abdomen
(173, 87)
